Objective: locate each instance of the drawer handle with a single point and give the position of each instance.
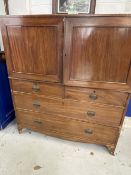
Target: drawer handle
(36, 88)
(36, 104)
(91, 113)
(37, 122)
(93, 96)
(88, 131)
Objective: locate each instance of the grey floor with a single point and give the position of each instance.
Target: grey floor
(37, 154)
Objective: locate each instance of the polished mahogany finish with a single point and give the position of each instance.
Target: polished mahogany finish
(64, 127)
(96, 95)
(85, 111)
(70, 75)
(39, 88)
(35, 50)
(97, 45)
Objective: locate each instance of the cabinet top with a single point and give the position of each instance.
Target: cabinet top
(88, 19)
(65, 15)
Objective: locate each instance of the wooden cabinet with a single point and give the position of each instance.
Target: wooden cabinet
(70, 75)
(35, 49)
(97, 52)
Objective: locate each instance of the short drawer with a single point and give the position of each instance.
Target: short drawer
(36, 102)
(47, 89)
(95, 95)
(66, 128)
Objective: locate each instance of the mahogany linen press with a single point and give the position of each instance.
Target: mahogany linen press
(70, 75)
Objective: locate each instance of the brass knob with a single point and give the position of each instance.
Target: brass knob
(93, 96)
(91, 113)
(88, 131)
(36, 88)
(37, 122)
(36, 104)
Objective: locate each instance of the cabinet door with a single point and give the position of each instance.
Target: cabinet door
(98, 52)
(35, 48)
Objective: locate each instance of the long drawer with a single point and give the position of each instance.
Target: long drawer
(94, 113)
(66, 128)
(47, 89)
(96, 95)
(81, 111)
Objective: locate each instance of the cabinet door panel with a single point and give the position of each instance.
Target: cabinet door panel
(36, 51)
(100, 54)
(96, 53)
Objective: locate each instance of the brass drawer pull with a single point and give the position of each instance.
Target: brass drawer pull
(91, 113)
(36, 88)
(36, 104)
(37, 122)
(93, 96)
(88, 131)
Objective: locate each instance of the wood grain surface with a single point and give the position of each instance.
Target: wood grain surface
(70, 75)
(67, 128)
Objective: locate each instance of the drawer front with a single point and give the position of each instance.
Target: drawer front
(94, 95)
(93, 113)
(66, 128)
(81, 111)
(47, 89)
(36, 103)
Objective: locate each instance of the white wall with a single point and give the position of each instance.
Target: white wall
(128, 6)
(102, 6)
(1, 43)
(23, 7)
(18, 7)
(40, 6)
(113, 6)
(45, 6)
(2, 12)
